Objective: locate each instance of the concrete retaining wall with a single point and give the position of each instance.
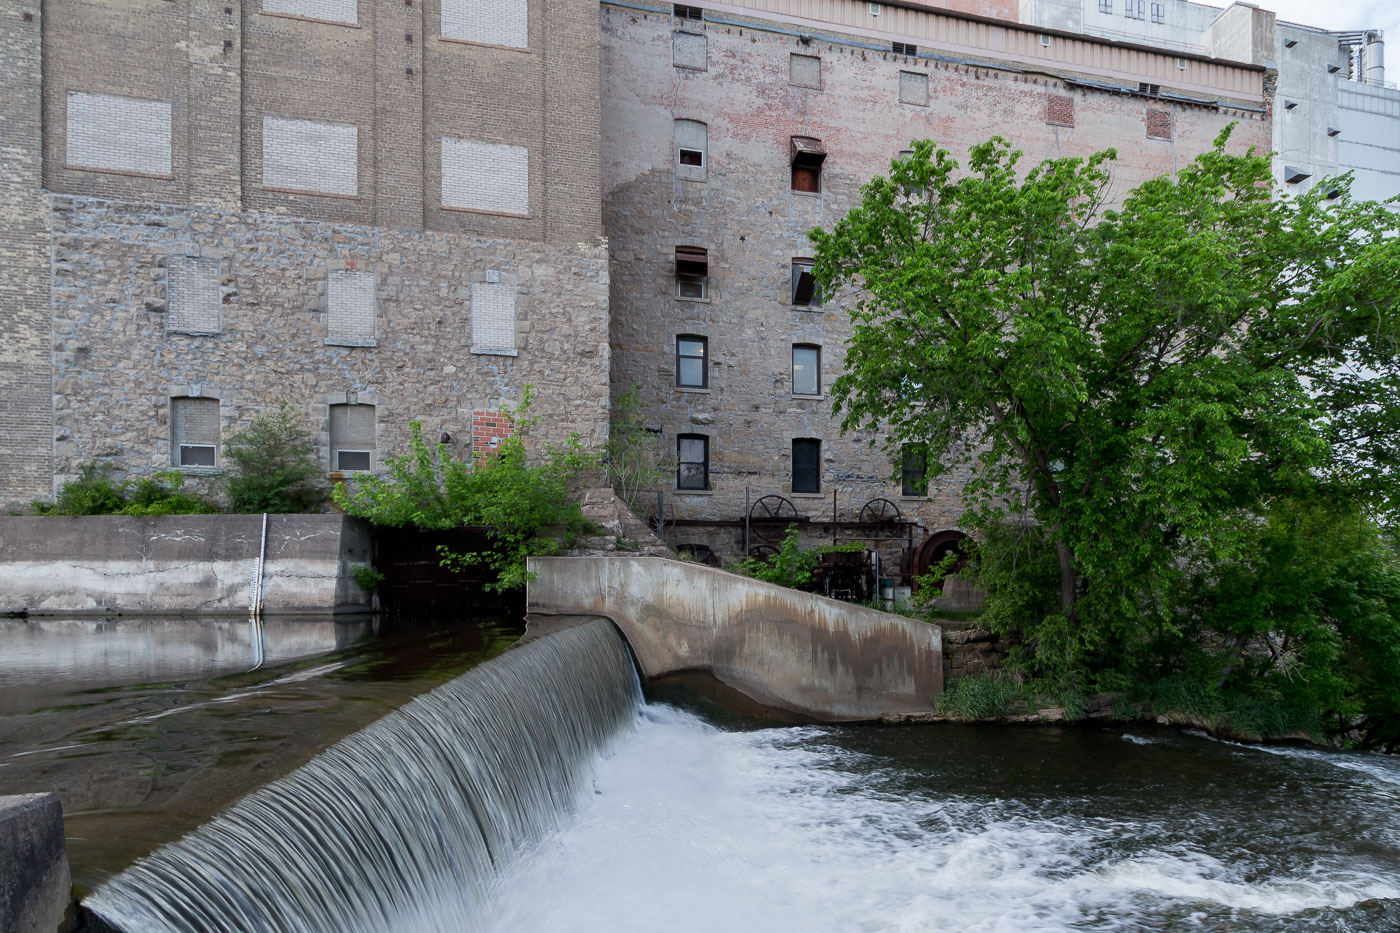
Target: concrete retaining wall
(180, 563)
(35, 889)
(830, 660)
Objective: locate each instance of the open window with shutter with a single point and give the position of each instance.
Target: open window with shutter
(807, 156)
(692, 272)
(805, 292)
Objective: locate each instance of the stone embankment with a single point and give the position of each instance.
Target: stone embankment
(35, 889)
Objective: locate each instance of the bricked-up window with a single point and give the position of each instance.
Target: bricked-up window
(806, 465)
(493, 318)
(194, 431)
(692, 150)
(488, 22)
(326, 11)
(311, 157)
(807, 156)
(350, 308)
(804, 71)
(192, 295)
(692, 366)
(126, 135)
(692, 461)
(1105, 6)
(805, 291)
(692, 272)
(690, 50)
(1159, 124)
(806, 369)
(1135, 9)
(352, 438)
(689, 12)
(1059, 110)
(1159, 12)
(913, 88)
(904, 48)
(913, 479)
(489, 177)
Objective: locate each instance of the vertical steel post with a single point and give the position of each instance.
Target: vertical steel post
(746, 522)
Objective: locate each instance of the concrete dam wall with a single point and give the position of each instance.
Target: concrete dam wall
(180, 563)
(797, 651)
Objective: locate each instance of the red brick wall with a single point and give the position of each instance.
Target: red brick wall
(489, 428)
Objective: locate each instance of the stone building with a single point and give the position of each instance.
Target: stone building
(729, 133)
(377, 211)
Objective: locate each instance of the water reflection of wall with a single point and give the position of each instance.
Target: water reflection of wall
(63, 655)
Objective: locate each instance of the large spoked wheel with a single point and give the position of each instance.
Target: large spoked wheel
(880, 510)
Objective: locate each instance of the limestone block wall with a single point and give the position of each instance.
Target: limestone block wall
(118, 359)
(865, 107)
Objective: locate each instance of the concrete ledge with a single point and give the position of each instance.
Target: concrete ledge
(822, 658)
(179, 563)
(35, 889)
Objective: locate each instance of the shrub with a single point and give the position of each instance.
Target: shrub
(366, 577)
(95, 492)
(274, 466)
(974, 698)
(636, 459)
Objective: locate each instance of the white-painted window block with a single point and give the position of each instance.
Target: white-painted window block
(305, 155)
(328, 11)
(194, 432)
(493, 318)
(490, 22)
(479, 176)
(118, 134)
(192, 295)
(350, 308)
(352, 438)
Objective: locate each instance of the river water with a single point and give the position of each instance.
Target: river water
(685, 825)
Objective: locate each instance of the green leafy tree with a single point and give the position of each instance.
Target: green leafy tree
(524, 507)
(274, 466)
(1139, 385)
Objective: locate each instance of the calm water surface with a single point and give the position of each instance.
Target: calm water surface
(146, 727)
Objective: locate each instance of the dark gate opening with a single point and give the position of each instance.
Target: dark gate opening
(417, 584)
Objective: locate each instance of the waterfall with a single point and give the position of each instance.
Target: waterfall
(404, 825)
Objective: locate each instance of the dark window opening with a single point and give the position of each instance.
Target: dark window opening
(692, 157)
(689, 12)
(807, 156)
(692, 272)
(806, 465)
(806, 369)
(692, 370)
(805, 291)
(197, 455)
(904, 48)
(350, 461)
(693, 461)
(1152, 90)
(914, 471)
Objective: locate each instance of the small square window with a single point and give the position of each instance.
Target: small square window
(1105, 6)
(1135, 9)
(914, 471)
(693, 461)
(806, 465)
(904, 48)
(352, 461)
(689, 12)
(1159, 12)
(196, 455)
(805, 291)
(692, 367)
(806, 369)
(692, 272)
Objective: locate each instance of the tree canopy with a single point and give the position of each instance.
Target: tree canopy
(1147, 392)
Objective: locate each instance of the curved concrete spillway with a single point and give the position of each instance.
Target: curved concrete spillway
(830, 660)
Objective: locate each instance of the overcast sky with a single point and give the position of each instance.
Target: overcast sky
(1342, 15)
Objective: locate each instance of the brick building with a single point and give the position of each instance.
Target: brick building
(728, 133)
(384, 210)
(380, 211)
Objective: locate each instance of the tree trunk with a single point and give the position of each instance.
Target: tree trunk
(1068, 578)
